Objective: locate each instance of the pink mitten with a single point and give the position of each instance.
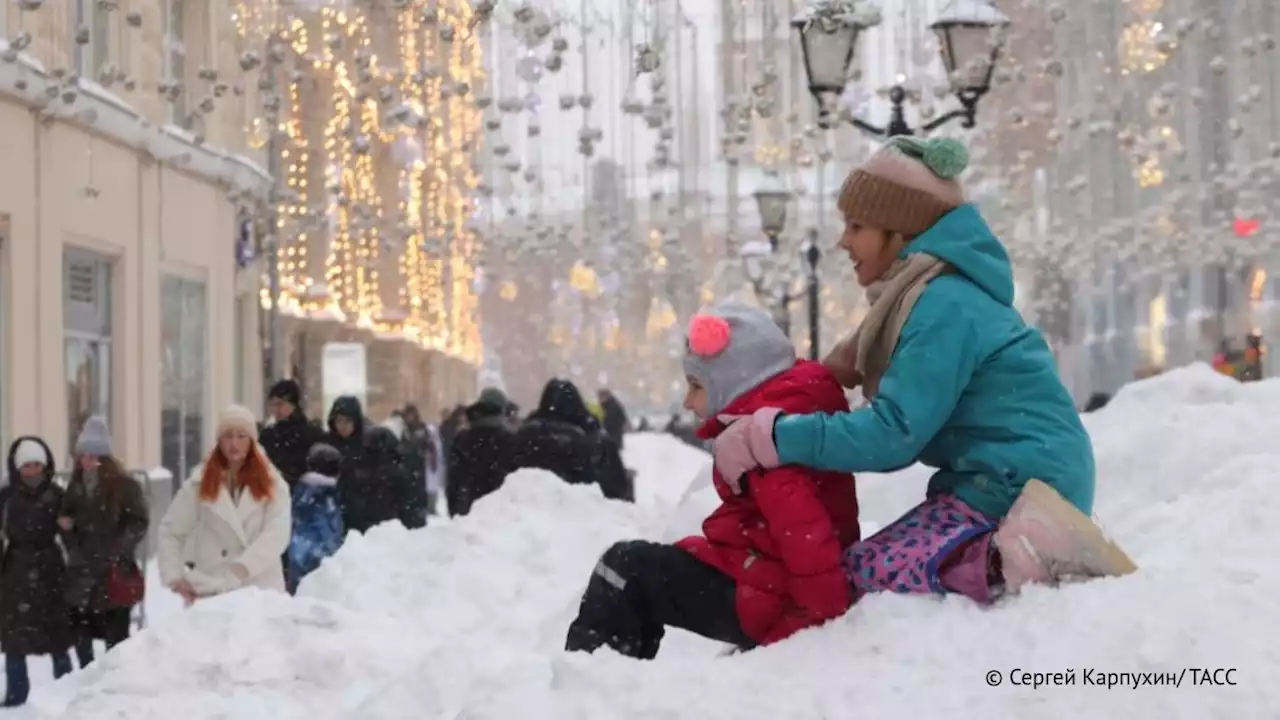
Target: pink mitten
(745, 444)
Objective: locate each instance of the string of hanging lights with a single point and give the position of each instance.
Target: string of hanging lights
(377, 134)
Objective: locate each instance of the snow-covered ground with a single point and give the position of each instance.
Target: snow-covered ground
(466, 619)
(663, 467)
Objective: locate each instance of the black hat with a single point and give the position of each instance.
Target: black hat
(324, 459)
(286, 390)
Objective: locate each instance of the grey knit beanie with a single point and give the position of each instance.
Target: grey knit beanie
(733, 348)
(94, 438)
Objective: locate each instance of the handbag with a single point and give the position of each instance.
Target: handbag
(126, 585)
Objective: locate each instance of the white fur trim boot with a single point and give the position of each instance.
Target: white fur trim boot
(1045, 539)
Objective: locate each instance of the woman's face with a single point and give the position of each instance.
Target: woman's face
(695, 400)
(344, 426)
(31, 470)
(869, 249)
(235, 444)
(89, 462)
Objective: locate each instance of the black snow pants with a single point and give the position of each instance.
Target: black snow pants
(640, 587)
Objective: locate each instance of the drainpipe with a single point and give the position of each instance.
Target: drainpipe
(273, 259)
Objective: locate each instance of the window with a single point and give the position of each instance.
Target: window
(86, 308)
(91, 57)
(182, 390)
(4, 326)
(175, 43)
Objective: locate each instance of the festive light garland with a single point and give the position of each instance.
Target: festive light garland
(432, 252)
(412, 177)
(464, 123)
(434, 302)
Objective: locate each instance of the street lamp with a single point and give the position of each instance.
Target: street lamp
(772, 199)
(970, 35)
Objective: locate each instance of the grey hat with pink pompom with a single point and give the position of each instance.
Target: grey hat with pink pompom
(733, 348)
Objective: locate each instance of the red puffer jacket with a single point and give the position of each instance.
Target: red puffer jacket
(783, 538)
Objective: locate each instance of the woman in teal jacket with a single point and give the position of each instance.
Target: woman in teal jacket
(955, 380)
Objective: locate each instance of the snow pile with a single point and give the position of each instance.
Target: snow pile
(663, 464)
(420, 594)
(493, 573)
(234, 656)
(466, 619)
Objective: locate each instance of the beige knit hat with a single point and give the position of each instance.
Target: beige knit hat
(237, 417)
(906, 186)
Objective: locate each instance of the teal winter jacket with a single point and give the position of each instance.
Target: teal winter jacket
(970, 390)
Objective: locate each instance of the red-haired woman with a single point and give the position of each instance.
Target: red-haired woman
(230, 523)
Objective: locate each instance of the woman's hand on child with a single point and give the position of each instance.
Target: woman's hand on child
(66, 523)
(745, 444)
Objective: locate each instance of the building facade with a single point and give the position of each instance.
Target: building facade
(373, 150)
(1158, 211)
(121, 289)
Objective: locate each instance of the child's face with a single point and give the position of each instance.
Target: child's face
(695, 400)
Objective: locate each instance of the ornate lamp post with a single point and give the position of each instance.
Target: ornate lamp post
(970, 34)
(772, 199)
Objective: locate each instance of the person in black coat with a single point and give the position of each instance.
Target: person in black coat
(373, 484)
(481, 455)
(346, 431)
(451, 424)
(420, 441)
(288, 441)
(562, 437)
(616, 422)
(34, 618)
(403, 495)
(347, 435)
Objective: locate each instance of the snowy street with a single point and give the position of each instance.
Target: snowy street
(466, 620)
(639, 359)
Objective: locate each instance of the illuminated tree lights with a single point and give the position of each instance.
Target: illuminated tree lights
(375, 124)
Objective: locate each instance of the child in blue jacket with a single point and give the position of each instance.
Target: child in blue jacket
(317, 514)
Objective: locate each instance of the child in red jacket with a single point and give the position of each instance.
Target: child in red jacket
(769, 560)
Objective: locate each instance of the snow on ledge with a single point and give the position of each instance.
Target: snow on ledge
(102, 111)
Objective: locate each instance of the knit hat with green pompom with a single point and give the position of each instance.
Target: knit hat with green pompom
(906, 186)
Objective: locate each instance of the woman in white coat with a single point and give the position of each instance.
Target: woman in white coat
(230, 523)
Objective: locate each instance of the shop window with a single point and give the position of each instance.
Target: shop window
(183, 327)
(4, 327)
(87, 331)
(4, 375)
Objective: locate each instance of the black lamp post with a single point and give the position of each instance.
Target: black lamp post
(813, 255)
(970, 34)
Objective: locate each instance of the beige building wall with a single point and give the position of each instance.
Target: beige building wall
(104, 174)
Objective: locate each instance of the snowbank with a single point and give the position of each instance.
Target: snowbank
(664, 466)
(466, 620)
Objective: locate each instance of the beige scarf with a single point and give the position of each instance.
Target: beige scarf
(863, 357)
